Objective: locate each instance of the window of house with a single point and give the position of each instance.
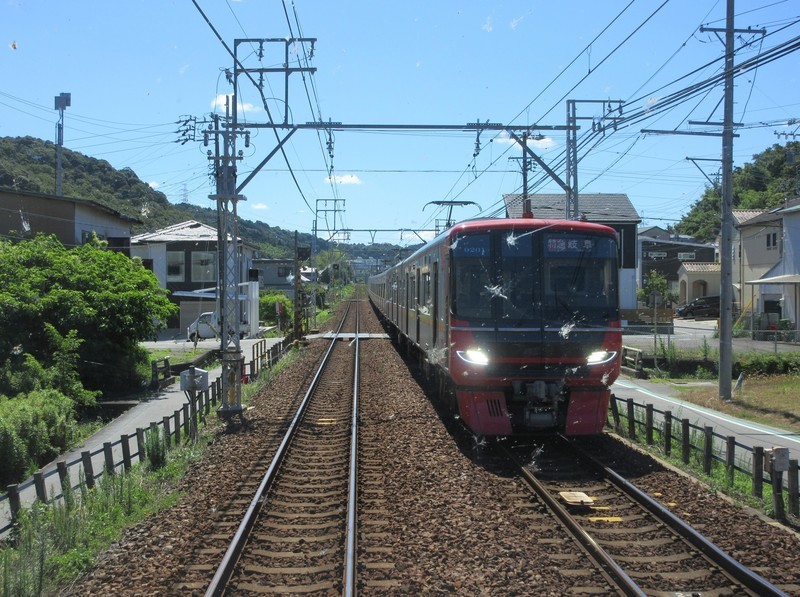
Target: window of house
(204, 266)
(772, 241)
(176, 266)
(284, 272)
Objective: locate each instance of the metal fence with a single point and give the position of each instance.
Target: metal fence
(710, 449)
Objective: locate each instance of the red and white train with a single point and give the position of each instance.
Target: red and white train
(517, 320)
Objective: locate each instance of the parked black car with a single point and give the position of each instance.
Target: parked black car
(703, 306)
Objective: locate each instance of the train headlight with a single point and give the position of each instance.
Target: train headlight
(600, 357)
(473, 356)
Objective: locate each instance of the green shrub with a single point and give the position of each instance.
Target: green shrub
(769, 364)
(267, 311)
(14, 461)
(155, 449)
(36, 428)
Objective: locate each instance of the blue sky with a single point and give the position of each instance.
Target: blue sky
(135, 68)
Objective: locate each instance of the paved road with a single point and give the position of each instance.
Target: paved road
(666, 397)
(690, 334)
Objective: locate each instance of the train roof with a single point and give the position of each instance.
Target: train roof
(526, 223)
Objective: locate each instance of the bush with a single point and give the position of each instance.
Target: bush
(155, 449)
(769, 364)
(36, 428)
(267, 311)
(15, 460)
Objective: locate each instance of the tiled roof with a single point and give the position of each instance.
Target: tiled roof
(597, 207)
(742, 215)
(184, 231)
(773, 215)
(700, 267)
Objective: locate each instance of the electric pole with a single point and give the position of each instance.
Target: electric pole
(62, 102)
(726, 229)
(226, 199)
(611, 110)
(726, 240)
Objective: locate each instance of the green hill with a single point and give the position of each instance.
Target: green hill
(28, 164)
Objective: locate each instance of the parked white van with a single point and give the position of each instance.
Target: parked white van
(205, 326)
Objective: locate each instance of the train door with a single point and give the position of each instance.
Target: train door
(408, 303)
(417, 305)
(435, 299)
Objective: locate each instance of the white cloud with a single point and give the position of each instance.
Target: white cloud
(154, 184)
(182, 70)
(344, 179)
(218, 105)
(537, 141)
(260, 206)
(487, 26)
(515, 22)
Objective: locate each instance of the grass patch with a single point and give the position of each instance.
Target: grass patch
(53, 544)
(769, 400)
(176, 357)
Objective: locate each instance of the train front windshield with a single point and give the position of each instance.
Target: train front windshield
(535, 278)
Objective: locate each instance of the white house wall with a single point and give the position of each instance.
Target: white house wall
(158, 253)
(627, 288)
(106, 225)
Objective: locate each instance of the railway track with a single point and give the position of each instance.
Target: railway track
(639, 546)
(299, 531)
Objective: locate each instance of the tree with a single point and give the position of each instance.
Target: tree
(100, 303)
(771, 178)
(655, 282)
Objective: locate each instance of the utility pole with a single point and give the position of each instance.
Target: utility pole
(608, 110)
(527, 211)
(226, 199)
(526, 201)
(62, 102)
(726, 229)
(726, 240)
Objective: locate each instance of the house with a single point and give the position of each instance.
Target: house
(660, 251)
(363, 267)
(770, 266)
(277, 275)
(184, 258)
(71, 220)
(610, 209)
(696, 279)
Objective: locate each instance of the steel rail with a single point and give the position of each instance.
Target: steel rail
(736, 570)
(226, 567)
(607, 564)
(349, 582)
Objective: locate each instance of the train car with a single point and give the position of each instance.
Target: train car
(517, 321)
